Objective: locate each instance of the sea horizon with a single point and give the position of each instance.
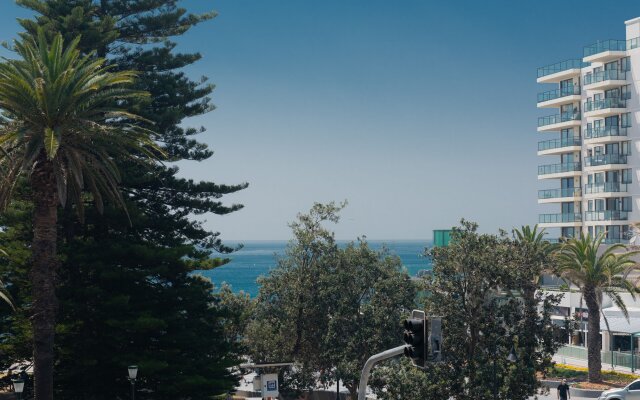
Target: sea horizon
(257, 257)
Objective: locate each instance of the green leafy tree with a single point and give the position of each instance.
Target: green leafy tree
(58, 106)
(138, 35)
(328, 308)
(596, 274)
(476, 287)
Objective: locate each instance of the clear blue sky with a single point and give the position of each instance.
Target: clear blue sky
(417, 112)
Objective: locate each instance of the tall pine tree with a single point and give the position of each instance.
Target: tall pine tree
(126, 290)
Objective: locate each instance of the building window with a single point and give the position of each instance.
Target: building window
(626, 175)
(625, 120)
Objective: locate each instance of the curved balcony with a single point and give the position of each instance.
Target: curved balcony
(605, 159)
(560, 71)
(558, 121)
(555, 195)
(605, 132)
(557, 97)
(608, 215)
(559, 218)
(556, 146)
(606, 187)
(551, 169)
(604, 107)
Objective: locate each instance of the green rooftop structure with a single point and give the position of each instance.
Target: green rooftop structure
(441, 237)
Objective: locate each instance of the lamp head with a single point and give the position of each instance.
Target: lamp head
(133, 371)
(18, 385)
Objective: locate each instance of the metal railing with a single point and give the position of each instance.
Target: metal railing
(561, 66)
(615, 358)
(559, 143)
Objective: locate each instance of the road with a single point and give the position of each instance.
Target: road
(554, 396)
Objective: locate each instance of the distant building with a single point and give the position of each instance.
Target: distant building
(593, 183)
(590, 162)
(441, 237)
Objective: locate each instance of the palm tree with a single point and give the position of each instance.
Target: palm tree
(596, 275)
(63, 127)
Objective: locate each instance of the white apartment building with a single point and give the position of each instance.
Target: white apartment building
(591, 173)
(591, 152)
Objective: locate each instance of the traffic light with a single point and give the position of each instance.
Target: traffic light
(423, 337)
(415, 336)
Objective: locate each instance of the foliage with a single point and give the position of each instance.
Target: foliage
(561, 371)
(399, 379)
(328, 308)
(159, 204)
(481, 286)
(580, 262)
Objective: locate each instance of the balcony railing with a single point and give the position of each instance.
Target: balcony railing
(558, 118)
(606, 75)
(606, 45)
(606, 187)
(559, 143)
(557, 218)
(558, 93)
(604, 131)
(561, 66)
(558, 193)
(558, 168)
(608, 215)
(611, 102)
(605, 159)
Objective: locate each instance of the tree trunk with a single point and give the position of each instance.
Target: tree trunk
(43, 270)
(594, 341)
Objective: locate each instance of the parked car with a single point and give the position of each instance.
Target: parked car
(630, 392)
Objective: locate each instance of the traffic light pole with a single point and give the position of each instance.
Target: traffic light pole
(368, 366)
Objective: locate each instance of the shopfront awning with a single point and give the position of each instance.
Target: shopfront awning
(618, 323)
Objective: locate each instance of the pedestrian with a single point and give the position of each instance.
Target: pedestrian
(563, 390)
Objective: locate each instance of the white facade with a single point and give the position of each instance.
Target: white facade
(590, 144)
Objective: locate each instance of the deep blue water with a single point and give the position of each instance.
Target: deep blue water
(258, 257)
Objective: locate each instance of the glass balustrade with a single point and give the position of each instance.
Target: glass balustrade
(605, 159)
(558, 93)
(606, 187)
(559, 218)
(558, 168)
(561, 66)
(604, 131)
(558, 118)
(605, 45)
(606, 215)
(559, 143)
(559, 193)
(611, 102)
(606, 75)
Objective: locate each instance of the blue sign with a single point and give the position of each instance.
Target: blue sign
(272, 385)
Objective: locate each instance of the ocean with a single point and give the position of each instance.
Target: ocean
(256, 258)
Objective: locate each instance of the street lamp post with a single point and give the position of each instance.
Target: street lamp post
(512, 358)
(133, 373)
(18, 387)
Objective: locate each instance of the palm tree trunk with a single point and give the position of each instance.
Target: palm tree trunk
(594, 341)
(43, 270)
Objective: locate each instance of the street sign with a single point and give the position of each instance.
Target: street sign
(269, 385)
